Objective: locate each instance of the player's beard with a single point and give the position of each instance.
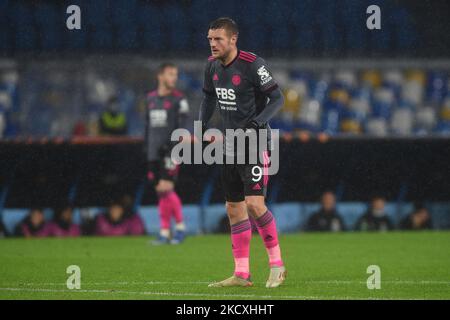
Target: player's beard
(225, 55)
(168, 86)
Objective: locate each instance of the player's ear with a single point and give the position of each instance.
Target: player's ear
(234, 38)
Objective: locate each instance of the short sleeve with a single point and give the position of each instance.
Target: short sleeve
(208, 86)
(262, 76)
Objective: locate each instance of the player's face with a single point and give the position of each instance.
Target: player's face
(169, 78)
(378, 204)
(37, 217)
(221, 42)
(115, 212)
(66, 215)
(328, 201)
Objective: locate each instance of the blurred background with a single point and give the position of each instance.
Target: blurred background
(366, 115)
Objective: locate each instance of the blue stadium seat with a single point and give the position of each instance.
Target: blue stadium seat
(150, 217)
(288, 216)
(135, 123)
(11, 217)
(393, 211)
(76, 216)
(440, 214)
(437, 88)
(330, 120)
(213, 214)
(443, 128)
(350, 212)
(191, 214)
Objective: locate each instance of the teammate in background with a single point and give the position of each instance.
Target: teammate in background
(240, 84)
(167, 110)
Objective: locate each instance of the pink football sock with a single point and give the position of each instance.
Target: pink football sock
(241, 233)
(268, 231)
(165, 210)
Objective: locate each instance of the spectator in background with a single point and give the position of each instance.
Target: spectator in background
(375, 219)
(135, 224)
(62, 225)
(119, 220)
(327, 218)
(419, 219)
(113, 222)
(113, 121)
(33, 225)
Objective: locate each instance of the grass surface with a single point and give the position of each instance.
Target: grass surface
(320, 266)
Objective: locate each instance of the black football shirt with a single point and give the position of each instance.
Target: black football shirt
(241, 88)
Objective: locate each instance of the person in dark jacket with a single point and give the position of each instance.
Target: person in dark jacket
(135, 223)
(62, 225)
(113, 222)
(34, 225)
(419, 219)
(327, 218)
(375, 219)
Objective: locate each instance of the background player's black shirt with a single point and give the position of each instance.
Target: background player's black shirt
(163, 115)
(241, 88)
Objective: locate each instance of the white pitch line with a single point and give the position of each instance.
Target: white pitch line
(337, 282)
(111, 283)
(186, 294)
(415, 282)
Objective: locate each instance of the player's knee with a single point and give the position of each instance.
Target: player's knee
(255, 207)
(231, 207)
(234, 210)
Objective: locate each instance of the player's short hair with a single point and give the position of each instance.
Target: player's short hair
(163, 66)
(225, 23)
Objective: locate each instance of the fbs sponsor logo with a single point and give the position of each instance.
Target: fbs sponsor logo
(225, 94)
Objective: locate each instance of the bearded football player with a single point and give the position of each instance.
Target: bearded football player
(240, 85)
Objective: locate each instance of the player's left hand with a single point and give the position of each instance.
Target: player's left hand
(252, 124)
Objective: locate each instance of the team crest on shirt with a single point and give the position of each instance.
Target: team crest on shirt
(215, 77)
(264, 75)
(167, 104)
(236, 79)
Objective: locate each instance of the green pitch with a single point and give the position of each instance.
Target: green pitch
(320, 266)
